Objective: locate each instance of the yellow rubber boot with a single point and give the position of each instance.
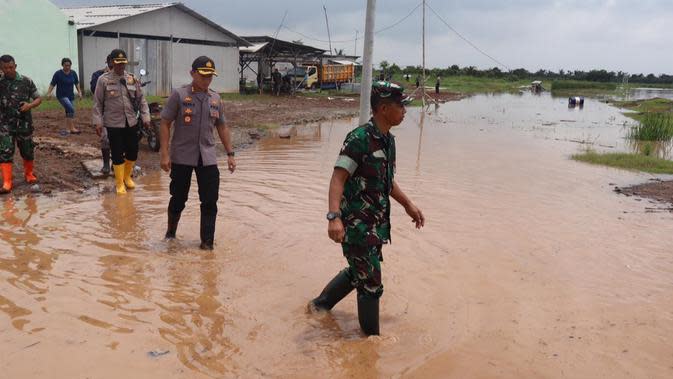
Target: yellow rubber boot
(119, 178)
(6, 169)
(128, 170)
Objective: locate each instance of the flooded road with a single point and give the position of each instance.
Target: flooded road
(529, 264)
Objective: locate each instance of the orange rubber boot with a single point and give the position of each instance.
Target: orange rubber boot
(28, 172)
(6, 169)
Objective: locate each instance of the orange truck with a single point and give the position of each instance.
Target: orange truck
(324, 76)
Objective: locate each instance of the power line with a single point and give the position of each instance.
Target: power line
(466, 40)
(355, 39)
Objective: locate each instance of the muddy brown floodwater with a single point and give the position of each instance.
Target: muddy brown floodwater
(529, 266)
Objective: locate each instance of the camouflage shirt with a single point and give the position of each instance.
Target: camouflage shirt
(369, 157)
(12, 94)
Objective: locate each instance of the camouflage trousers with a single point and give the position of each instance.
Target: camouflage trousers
(364, 268)
(23, 140)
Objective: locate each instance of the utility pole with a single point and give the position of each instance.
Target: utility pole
(355, 52)
(366, 85)
(329, 37)
(423, 77)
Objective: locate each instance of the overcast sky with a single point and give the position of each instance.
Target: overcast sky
(628, 35)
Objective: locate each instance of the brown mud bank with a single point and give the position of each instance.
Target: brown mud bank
(656, 189)
(58, 155)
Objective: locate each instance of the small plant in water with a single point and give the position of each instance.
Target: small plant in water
(647, 149)
(653, 127)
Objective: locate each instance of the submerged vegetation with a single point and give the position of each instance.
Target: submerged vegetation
(641, 162)
(653, 126)
(558, 85)
(650, 137)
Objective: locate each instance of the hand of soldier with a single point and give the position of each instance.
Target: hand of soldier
(336, 231)
(165, 162)
(231, 163)
(25, 107)
(416, 215)
(99, 130)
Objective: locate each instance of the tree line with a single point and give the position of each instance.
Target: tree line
(521, 74)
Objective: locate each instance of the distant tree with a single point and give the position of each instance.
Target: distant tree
(384, 65)
(394, 69)
(470, 71)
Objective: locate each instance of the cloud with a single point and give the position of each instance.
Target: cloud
(572, 34)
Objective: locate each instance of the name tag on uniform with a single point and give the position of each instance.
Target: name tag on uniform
(112, 90)
(379, 154)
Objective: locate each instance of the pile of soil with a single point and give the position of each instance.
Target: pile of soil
(655, 189)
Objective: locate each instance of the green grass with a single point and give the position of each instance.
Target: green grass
(85, 103)
(581, 88)
(639, 162)
(467, 84)
(653, 126)
(557, 85)
(650, 105)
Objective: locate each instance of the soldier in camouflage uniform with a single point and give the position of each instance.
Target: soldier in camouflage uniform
(18, 95)
(359, 206)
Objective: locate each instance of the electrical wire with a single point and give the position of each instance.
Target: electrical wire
(360, 38)
(466, 40)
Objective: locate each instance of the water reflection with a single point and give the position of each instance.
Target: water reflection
(521, 253)
(24, 268)
(659, 149)
(194, 319)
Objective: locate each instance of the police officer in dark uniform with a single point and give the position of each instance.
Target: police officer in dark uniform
(194, 110)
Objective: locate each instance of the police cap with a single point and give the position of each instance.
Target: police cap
(204, 66)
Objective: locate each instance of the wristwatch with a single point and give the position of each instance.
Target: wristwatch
(333, 215)
(231, 154)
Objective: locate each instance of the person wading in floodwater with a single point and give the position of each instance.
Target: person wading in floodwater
(195, 110)
(359, 206)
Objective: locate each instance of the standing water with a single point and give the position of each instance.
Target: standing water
(529, 264)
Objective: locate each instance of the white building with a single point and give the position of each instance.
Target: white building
(38, 35)
(163, 39)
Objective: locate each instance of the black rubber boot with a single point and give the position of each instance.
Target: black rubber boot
(333, 292)
(105, 154)
(173, 219)
(207, 231)
(368, 314)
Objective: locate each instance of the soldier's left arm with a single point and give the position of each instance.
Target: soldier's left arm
(412, 210)
(35, 95)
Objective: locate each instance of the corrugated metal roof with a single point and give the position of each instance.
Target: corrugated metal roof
(87, 17)
(255, 47)
(344, 62)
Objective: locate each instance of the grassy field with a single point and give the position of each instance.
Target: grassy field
(558, 85)
(85, 103)
(467, 84)
(627, 161)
